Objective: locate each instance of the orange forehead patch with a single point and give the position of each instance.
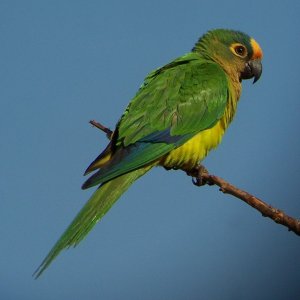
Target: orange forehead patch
(257, 52)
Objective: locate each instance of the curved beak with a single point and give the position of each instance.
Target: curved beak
(253, 68)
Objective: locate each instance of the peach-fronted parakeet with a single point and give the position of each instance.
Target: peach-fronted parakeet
(177, 116)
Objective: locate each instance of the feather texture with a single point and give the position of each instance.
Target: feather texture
(92, 212)
(178, 115)
(175, 103)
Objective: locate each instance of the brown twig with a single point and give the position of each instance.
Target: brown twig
(203, 177)
(102, 128)
(278, 216)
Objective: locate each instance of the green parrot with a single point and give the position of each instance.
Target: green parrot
(178, 115)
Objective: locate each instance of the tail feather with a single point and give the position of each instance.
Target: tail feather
(97, 206)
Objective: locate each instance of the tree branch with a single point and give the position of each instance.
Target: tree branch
(265, 209)
(202, 177)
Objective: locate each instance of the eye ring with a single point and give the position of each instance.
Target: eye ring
(239, 50)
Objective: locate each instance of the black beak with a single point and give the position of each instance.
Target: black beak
(253, 68)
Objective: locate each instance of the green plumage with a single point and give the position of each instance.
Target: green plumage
(185, 96)
(178, 115)
(97, 206)
(175, 102)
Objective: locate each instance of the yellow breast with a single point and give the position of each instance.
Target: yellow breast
(194, 150)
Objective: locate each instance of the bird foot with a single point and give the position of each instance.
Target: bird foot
(199, 175)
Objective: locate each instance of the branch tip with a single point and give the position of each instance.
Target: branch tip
(265, 209)
(108, 132)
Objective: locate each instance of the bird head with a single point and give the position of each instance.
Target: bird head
(238, 54)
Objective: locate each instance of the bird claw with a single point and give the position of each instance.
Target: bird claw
(199, 180)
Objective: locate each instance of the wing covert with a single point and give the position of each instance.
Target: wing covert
(184, 97)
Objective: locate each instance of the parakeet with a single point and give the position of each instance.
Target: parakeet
(178, 115)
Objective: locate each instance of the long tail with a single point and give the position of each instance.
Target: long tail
(92, 212)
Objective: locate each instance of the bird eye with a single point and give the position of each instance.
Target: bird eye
(240, 50)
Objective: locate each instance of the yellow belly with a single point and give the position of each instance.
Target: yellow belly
(193, 151)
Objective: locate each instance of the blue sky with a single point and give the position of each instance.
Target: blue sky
(66, 62)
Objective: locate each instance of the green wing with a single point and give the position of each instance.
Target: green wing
(187, 95)
(175, 102)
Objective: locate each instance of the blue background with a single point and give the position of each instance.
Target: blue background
(66, 62)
